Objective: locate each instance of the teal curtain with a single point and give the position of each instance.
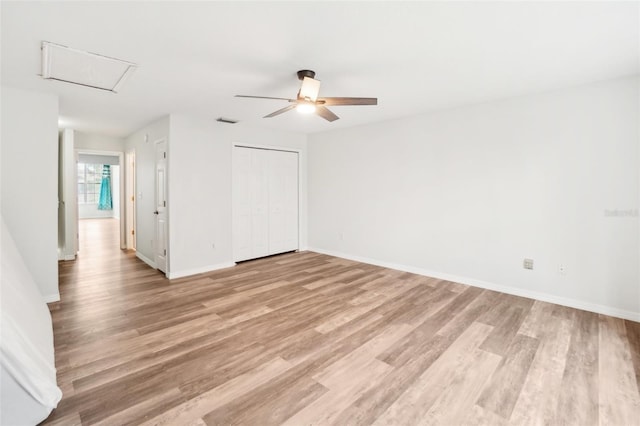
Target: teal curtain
(105, 202)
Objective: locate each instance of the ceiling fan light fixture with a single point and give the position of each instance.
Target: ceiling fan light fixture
(306, 108)
(307, 101)
(309, 89)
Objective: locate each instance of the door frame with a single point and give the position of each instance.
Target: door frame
(121, 167)
(302, 195)
(130, 197)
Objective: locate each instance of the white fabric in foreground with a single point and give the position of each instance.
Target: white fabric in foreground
(28, 390)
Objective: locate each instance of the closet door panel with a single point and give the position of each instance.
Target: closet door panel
(259, 189)
(241, 204)
(283, 201)
(276, 201)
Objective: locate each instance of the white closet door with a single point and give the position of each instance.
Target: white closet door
(241, 204)
(259, 192)
(283, 201)
(265, 202)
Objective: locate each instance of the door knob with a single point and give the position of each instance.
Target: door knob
(156, 212)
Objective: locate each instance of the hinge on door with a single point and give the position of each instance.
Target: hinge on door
(164, 155)
(132, 198)
(133, 232)
(164, 203)
(165, 252)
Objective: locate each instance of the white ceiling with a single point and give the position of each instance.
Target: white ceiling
(414, 56)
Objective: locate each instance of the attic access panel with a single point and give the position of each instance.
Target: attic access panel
(88, 69)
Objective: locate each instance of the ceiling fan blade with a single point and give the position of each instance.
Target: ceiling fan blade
(348, 101)
(280, 111)
(265, 97)
(326, 113)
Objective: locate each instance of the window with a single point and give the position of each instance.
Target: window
(89, 179)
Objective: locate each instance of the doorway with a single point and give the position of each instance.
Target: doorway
(100, 187)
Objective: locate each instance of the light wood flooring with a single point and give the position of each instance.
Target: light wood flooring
(305, 338)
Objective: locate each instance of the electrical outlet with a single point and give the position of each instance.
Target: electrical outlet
(527, 264)
(562, 269)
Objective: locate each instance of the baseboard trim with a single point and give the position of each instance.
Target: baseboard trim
(543, 297)
(202, 270)
(146, 260)
(51, 298)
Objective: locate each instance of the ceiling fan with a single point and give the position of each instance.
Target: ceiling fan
(308, 101)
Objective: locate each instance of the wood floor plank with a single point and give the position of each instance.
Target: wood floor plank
(356, 361)
(501, 394)
(140, 412)
(405, 349)
(478, 416)
(373, 402)
(208, 401)
(414, 403)
(349, 314)
(579, 399)
(505, 331)
(327, 407)
(540, 392)
(618, 396)
(463, 390)
(306, 338)
(633, 334)
(269, 404)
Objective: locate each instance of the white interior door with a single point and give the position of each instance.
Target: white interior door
(265, 202)
(161, 206)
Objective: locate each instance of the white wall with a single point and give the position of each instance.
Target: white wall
(142, 143)
(467, 194)
(200, 189)
(61, 211)
(91, 141)
(29, 181)
(67, 194)
(115, 191)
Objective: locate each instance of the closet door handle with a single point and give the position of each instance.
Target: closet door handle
(156, 212)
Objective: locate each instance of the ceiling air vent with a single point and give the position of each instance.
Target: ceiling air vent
(226, 120)
(75, 66)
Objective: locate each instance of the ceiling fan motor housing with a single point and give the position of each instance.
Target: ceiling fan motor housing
(306, 73)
